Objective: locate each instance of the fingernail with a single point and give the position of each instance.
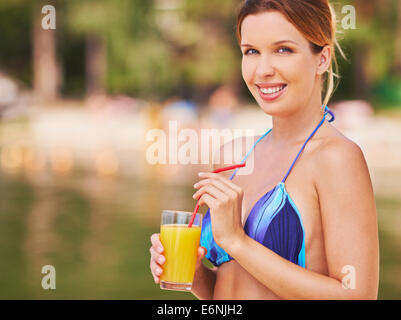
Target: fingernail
(160, 249)
(160, 259)
(159, 271)
(201, 174)
(195, 185)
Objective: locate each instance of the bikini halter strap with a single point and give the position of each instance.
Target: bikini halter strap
(326, 111)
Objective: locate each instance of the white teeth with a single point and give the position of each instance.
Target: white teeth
(271, 90)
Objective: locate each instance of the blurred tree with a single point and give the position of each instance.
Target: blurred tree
(397, 62)
(46, 69)
(201, 37)
(15, 45)
(90, 20)
(96, 64)
(109, 28)
(157, 48)
(371, 47)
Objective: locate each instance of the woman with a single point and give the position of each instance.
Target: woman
(303, 225)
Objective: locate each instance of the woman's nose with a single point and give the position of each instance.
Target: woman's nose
(265, 67)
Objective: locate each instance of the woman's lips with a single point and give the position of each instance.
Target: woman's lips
(271, 96)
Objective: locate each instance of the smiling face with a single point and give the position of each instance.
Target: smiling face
(278, 65)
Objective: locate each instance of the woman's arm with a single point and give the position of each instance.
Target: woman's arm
(350, 235)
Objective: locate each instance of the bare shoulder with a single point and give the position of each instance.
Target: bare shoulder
(339, 153)
(340, 165)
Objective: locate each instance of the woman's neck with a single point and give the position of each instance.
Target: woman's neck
(292, 129)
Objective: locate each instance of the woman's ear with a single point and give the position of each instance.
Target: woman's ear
(324, 60)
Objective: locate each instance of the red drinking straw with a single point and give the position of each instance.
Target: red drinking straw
(214, 171)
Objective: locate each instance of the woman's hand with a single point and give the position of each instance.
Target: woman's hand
(224, 198)
(157, 258)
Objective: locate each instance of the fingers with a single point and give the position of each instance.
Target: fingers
(219, 181)
(218, 190)
(221, 178)
(207, 199)
(156, 270)
(156, 243)
(218, 184)
(201, 252)
(156, 258)
(211, 190)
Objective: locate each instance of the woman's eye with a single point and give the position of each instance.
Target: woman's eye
(284, 49)
(280, 50)
(250, 51)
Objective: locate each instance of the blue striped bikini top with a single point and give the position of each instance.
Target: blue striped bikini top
(274, 220)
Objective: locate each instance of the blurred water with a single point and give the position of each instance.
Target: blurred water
(95, 232)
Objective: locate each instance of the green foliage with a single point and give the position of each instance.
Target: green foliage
(387, 92)
(15, 43)
(156, 47)
(369, 48)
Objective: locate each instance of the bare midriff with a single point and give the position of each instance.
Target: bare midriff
(234, 283)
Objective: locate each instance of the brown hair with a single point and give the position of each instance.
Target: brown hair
(315, 19)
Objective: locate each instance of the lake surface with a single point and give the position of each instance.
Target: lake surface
(95, 232)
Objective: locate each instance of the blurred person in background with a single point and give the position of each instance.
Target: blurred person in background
(8, 93)
(222, 104)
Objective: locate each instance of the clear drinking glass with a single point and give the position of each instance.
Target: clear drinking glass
(180, 249)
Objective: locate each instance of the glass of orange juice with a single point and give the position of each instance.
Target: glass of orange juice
(180, 249)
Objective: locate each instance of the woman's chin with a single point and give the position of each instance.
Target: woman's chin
(271, 108)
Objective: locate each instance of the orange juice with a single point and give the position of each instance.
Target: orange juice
(180, 249)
